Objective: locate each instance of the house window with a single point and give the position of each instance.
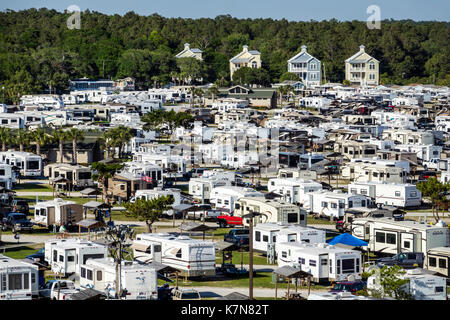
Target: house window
(254, 65)
(372, 66)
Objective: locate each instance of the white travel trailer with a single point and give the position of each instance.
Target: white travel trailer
(18, 280)
(80, 177)
(65, 256)
(7, 176)
(393, 194)
(12, 121)
(159, 192)
(423, 152)
(324, 262)
(333, 204)
(140, 281)
(421, 286)
(192, 257)
(385, 235)
(293, 190)
(438, 260)
(224, 198)
(173, 166)
(200, 188)
(145, 170)
(266, 235)
(30, 164)
(57, 212)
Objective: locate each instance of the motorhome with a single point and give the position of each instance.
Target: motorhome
(12, 121)
(30, 164)
(324, 262)
(79, 177)
(57, 212)
(293, 190)
(420, 285)
(269, 210)
(223, 198)
(65, 256)
(332, 204)
(173, 166)
(388, 236)
(267, 235)
(438, 260)
(140, 281)
(192, 257)
(159, 192)
(18, 280)
(200, 188)
(393, 194)
(146, 171)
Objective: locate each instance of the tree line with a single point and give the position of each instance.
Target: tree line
(39, 53)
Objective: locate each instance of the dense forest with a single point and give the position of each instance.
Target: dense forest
(39, 52)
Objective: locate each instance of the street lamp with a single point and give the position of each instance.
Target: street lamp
(250, 216)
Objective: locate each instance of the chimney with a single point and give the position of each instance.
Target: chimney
(186, 46)
(245, 47)
(304, 48)
(361, 48)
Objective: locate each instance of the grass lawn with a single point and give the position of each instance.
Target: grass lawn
(258, 259)
(22, 252)
(312, 220)
(30, 187)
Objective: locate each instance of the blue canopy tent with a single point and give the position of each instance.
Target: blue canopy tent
(348, 240)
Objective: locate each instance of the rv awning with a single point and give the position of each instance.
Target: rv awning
(140, 246)
(291, 272)
(95, 205)
(234, 296)
(91, 223)
(162, 268)
(60, 180)
(88, 191)
(225, 246)
(193, 227)
(183, 207)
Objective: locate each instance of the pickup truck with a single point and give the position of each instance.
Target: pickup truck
(239, 237)
(58, 289)
(226, 221)
(406, 260)
(16, 222)
(205, 212)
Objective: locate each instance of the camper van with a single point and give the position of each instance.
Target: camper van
(159, 192)
(18, 280)
(324, 262)
(139, 281)
(266, 235)
(393, 194)
(80, 177)
(66, 255)
(421, 285)
(30, 164)
(293, 190)
(438, 260)
(192, 257)
(57, 212)
(388, 236)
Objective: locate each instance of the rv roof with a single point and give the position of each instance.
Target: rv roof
(316, 248)
(6, 262)
(55, 202)
(404, 223)
(280, 226)
(174, 238)
(109, 263)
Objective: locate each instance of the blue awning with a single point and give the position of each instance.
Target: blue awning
(348, 240)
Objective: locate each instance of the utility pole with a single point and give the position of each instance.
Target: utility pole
(250, 216)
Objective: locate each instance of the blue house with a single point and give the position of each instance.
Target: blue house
(307, 67)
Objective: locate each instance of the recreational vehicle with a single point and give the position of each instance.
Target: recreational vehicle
(65, 256)
(388, 236)
(333, 204)
(139, 281)
(293, 190)
(438, 260)
(30, 164)
(393, 194)
(18, 280)
(159, 192)
(324, 262)
(200, 188)
(223, 198)
(57, 212)
(269, 210)
(192, 257)
(79, 177)
(266, 235)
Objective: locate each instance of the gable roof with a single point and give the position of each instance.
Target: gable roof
(354, 57)
(236, 58)
(302, 56)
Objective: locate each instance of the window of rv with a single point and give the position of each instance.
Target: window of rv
(348, 265)
(84, 175)
(83, 273)
(258, 236)
(15, 281)
(179, 254)
(391, 238)
(265, 238)
(292, 218)
(380, 237)
(33, 165)
(312, 263)
(442, 263)
(432, 262)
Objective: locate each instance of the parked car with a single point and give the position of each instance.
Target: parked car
(164, 292)
(38, 256)
(186, 294)
(21, 206)
(205, 213)
(239, 237)
(226, 221)
(58, 289)
(16, 221)
(349, 286)
(406, 260)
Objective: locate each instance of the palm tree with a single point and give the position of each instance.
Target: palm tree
(199, 93)
(103, 172)
(75, 135)
(60, 135)
(192, 92)
(5, 136)
(22, 137)
(40, 137)
(124, 136)
(213, 91)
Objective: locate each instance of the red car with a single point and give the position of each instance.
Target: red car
(225, 221)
